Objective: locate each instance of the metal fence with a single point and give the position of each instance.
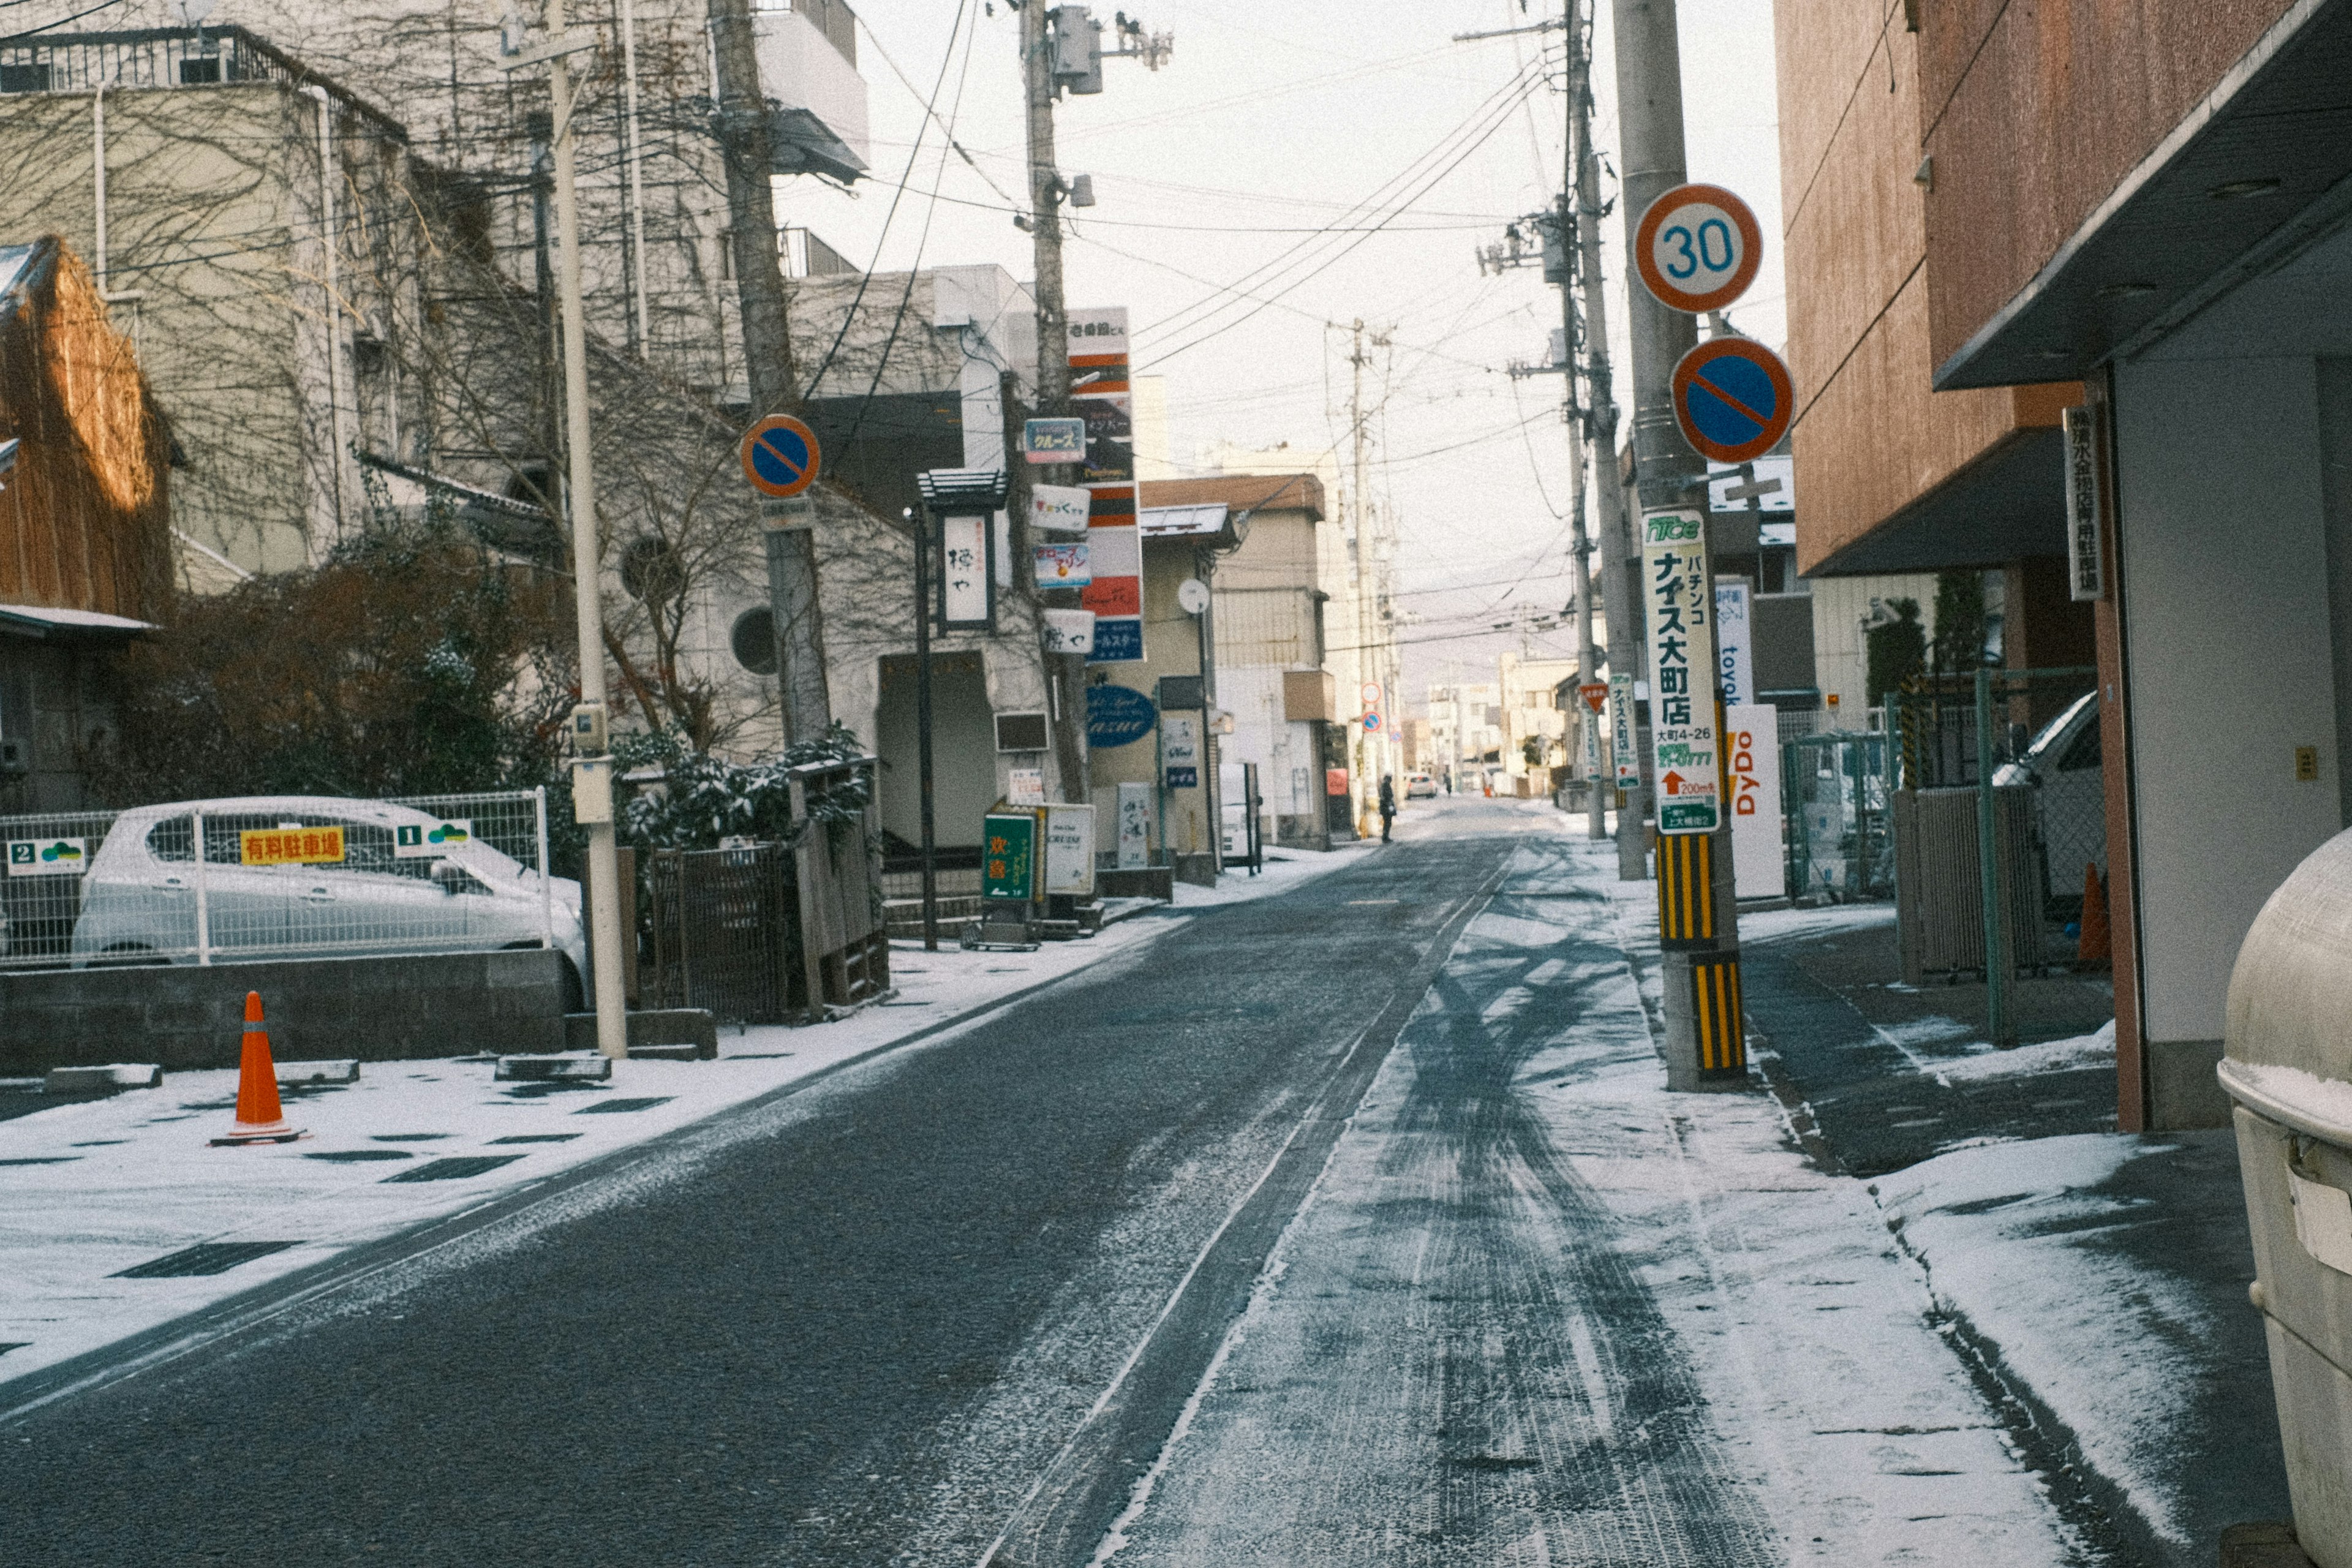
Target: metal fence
(721, 932)
(1834, 790)
(2017, 754)
(2040, 731)
(295, 876)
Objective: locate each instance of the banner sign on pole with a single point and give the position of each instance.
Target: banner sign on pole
(1624, 747)
(1060, 509)
(1099, 392)
(1735, 640)
(1069, 631)
(1759, 857)
(1682, 671)
(1061, 566)
(1054, 440)
(967, 586)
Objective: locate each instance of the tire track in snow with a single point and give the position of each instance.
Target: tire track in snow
(1458, 1364)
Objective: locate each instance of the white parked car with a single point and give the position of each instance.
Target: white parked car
(139, 895)
(1420, 786)
(2062, 765)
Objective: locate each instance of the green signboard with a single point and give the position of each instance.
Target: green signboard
(1009, 868)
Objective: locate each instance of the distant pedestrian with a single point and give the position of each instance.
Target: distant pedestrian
(1387, 805)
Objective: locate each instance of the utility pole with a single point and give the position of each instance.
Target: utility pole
(1358, 586)
(1700, 964)
(1062, 48)
(745, 140)
(1065, 673)
(1621, 596)
(587, 567)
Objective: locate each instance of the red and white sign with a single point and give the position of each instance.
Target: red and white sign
(1698, 249)
(1758, 859)
(1595, 693)
(1099, 372)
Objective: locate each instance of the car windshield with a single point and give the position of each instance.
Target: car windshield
(2044, 741)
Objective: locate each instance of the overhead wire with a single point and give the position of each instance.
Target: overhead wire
(1468, 135)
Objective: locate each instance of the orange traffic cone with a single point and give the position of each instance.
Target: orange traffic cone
(2094, 946)
(260, 1116)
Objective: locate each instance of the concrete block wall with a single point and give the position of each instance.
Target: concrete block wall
(378, 1009)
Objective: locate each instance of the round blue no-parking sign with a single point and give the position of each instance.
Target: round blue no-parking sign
(1733, 399)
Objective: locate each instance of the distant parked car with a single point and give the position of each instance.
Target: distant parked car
(1420, 786)
(436, 892)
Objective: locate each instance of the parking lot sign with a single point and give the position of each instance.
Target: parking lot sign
(47, 857)
(420, 841)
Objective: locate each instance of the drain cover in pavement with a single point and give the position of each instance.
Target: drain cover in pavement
(456, 1168)
(348, 1156)
(536, 1138)
(206, 1257)
(42, 1160)
(646, 1104)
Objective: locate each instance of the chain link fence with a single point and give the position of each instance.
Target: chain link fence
(1834, 791)
(2002, 825)
(292, 876)
(2040, 736)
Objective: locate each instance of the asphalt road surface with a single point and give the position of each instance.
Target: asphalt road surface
(945, 1306)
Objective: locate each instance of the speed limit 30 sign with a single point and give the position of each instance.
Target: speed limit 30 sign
(1698, 249)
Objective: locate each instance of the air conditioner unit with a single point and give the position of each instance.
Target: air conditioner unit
(15, 755)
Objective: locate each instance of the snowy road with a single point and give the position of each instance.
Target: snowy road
(1349, 1225)
(1541, 1314)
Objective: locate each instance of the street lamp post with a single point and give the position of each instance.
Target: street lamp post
(944, 489)
(593, 770)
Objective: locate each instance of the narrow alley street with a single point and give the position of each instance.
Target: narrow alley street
(1379, 1243)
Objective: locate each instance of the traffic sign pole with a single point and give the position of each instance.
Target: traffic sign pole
(781, 458)
(1704, 1038)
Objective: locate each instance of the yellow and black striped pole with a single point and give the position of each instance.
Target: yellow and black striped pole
(1698, 928)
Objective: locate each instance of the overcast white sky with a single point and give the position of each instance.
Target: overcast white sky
(1228, 170)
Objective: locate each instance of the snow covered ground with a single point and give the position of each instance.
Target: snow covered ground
(91, 1189)
(1538, 1311)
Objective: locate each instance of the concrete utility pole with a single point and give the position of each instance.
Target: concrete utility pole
(1588, 653)
(1065, 673)
(745, 141)
(1621, 597)
(1668, 476)
(587, 562)
(1359, 587)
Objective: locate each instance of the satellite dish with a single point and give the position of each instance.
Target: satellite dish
(1192, 595)
(193, 12)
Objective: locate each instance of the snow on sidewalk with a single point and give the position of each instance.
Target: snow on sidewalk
(91, 1189)
(1539, 1310)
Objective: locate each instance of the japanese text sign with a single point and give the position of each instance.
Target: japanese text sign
(1009, 855)
(290, 847)
(1624, 749)
(1681, 615)
(966, 591)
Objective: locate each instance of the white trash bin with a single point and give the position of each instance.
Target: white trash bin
(2288, 1065)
